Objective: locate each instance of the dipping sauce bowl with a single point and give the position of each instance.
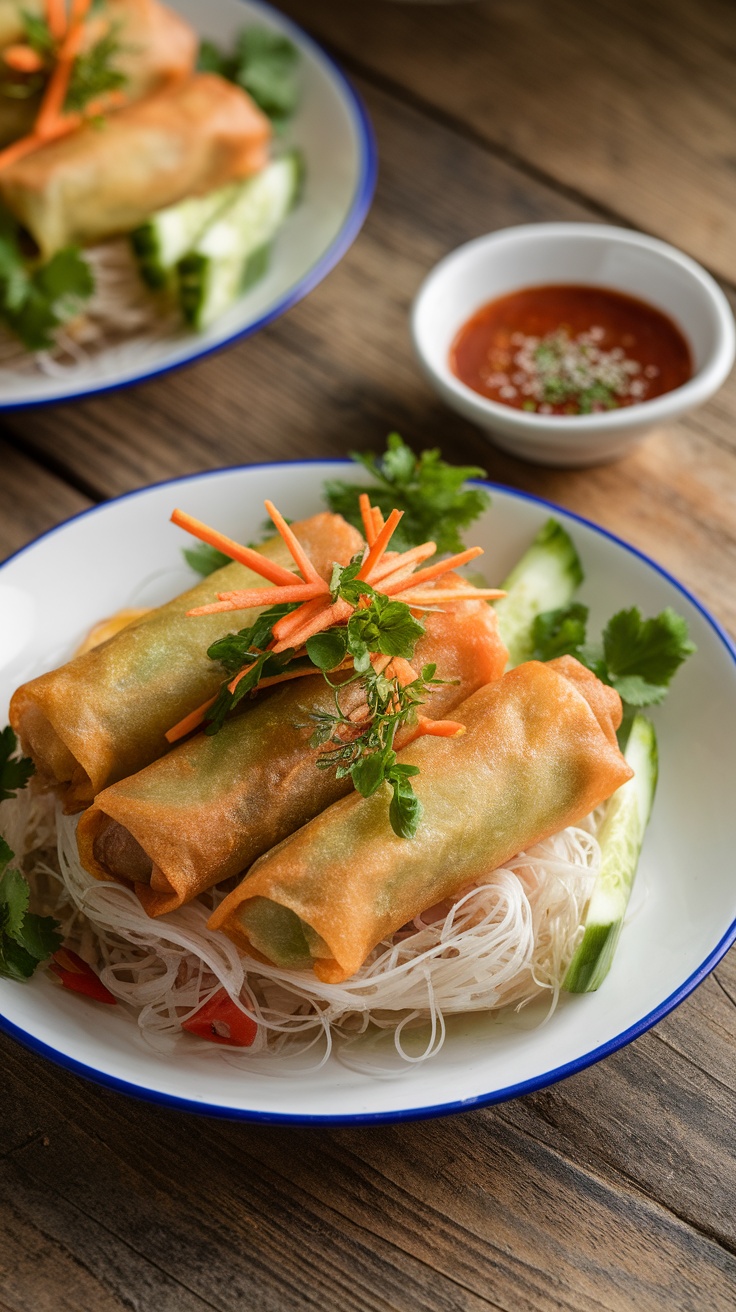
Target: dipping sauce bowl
(582, 254)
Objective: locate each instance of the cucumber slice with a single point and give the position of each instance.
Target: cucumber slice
(621, 837)
(162, 240)
(229, 254)
(545, 578)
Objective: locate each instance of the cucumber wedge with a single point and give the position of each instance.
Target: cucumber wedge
(231, 252)
(621, 837)
(161, 241)
(545, 578)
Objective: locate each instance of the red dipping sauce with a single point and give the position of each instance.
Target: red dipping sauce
(570, 350)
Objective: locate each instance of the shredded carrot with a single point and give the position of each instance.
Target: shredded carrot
(22, 59)
(268, 569)
(52, 105)
(377, 520)
(439, 595)
(380, 544)
(254, 597)
(366, 515)
(26, 145)
(300, 557)
(282, 627)
(438, 728)
(190, 721)
(56, 18)
(433, 571)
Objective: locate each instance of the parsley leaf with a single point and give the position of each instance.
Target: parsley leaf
(430, 492)
(25, 939)
(35, 299)
(205, 559)
(14, 771)
(636, 657)
(265, 65)
(405, 811)
(559, 632)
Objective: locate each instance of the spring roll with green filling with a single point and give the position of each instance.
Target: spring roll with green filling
(103, 715)
(539, 753)
(186, 139)
(155, 46)
(206, 811)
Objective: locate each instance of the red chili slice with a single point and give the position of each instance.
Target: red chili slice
(221, 1021)
(76, 975)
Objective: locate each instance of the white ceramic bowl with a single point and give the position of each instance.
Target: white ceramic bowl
(333, 132)
(588, 253)
(683, 915)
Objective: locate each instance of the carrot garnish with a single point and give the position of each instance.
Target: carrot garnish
(267, 569)
(56, 18)
(300, 557)
(377, 520)
(254, 597)
(366, 514)
(190, 722)
(22, 59)
(380, 544)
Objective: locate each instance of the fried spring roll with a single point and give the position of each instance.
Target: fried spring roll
(103, 715)
(539, 754)
(209, 808)
(155, 46)
(187, 139)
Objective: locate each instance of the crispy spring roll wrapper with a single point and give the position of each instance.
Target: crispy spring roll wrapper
(187, 139)
(156, 46)
(206, 811)
(104, 714)
(539, 754)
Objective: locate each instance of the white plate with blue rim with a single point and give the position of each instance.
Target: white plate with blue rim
(332, 131)
(684, 913)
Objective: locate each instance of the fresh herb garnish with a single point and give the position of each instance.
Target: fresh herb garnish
(25, 939)
(205, 559)
(368, 756)
(436, 505)
(15, 771)
(35, 299)
(94, 73)
(637, 657)
(264, 64)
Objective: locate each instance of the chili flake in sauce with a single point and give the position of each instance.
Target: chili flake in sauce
(570, 350)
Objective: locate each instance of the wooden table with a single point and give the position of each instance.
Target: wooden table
(615, 1189)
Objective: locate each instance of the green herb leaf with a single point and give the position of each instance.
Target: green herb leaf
(559, 632)
(25, 939)
(651, 649)
(405, 811)
(35, 299)
(345, 584)
(205, 559)
(327, 650)
(235, 650)
(370, 771)
(430, 492)
(265, 65)
(387, 627)
(15, 771)
(94, 72)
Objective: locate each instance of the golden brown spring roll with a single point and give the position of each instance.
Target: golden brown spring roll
(103, 715)
(208, 809)
(155, 46)
(187, 139)
(539, 754)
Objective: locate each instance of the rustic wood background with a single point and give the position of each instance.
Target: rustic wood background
(615, 1189)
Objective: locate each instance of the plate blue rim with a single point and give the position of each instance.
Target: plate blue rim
(541, 1081)
(360, 204)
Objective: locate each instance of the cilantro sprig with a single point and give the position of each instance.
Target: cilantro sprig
(36, 298)
(431, 493)
(638, 657)
(264, 64)
(25, 939)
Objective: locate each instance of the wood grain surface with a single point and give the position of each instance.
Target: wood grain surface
(614, 1189)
